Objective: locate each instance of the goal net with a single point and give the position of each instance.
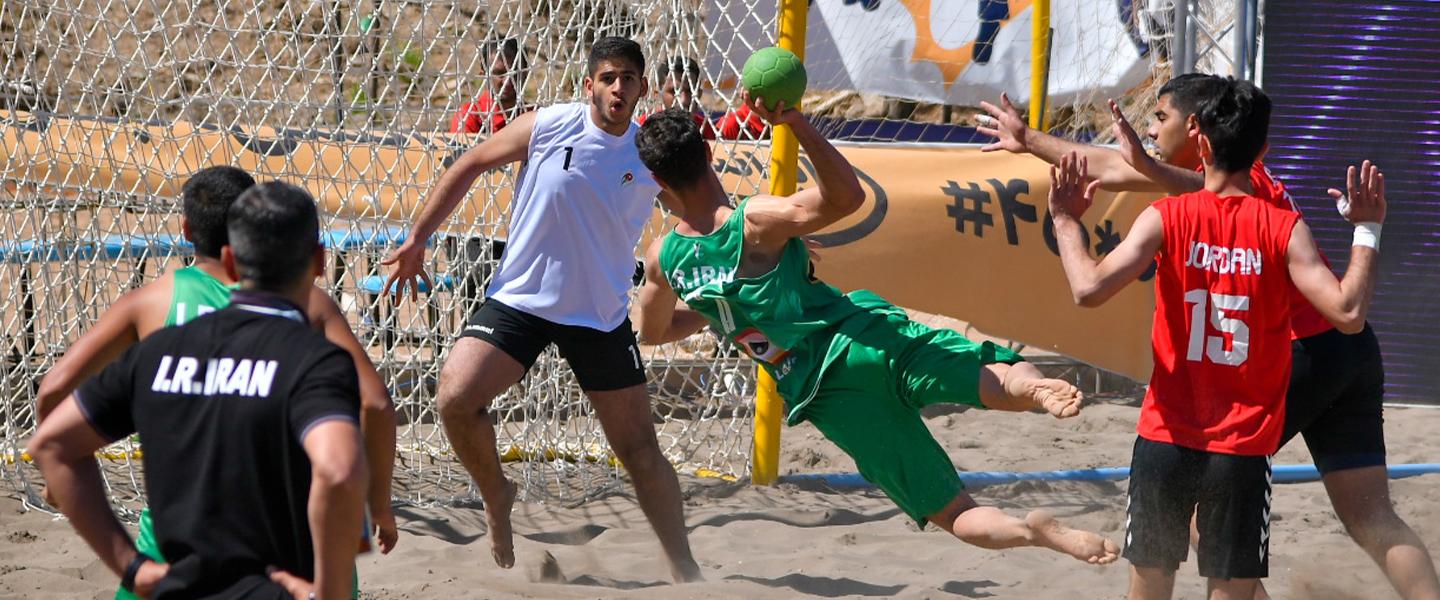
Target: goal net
(107, 105)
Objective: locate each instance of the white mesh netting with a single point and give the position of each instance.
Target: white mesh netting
(106, 106)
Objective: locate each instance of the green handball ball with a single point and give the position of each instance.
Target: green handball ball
(774, 74)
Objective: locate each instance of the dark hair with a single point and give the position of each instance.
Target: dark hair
(204, 199)
(1237, 122)
(672, 148)
(274, 230)
(1188, 90)
(612, 48)
(682, 68)
(507, 47)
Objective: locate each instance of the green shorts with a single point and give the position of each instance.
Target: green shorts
(869, 402)
(146, 544)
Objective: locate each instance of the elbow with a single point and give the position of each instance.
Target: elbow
(851, 199)
(378, 406)
(1351, 323)
(1088, 297)
(46, 401)
(650, 338)
(348, 476)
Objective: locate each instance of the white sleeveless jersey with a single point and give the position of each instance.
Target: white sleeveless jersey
(582, 200)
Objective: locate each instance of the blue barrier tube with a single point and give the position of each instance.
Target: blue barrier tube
(1282, 474)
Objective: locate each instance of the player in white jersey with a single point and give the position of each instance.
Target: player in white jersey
(565, 277)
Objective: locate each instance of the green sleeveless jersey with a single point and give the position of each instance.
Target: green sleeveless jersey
(196, 293)
(787, 320)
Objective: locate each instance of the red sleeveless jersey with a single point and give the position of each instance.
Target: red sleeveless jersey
(1305, 320)
(1221, 336)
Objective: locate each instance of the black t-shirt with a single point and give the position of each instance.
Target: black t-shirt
(222, 404)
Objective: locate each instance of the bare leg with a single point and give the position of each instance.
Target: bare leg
(628, 421)
(1259, 594)
(1361, 498)
(990, 528)
(1232, 589)
(1021, 387)
(1148, 583)
(474, 373)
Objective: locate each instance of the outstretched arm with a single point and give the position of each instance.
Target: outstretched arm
(1093, 282)
(1013, 135)
(1346, 301)
(772, 220)
(507, 145)
(659, 315)
(1173, 179)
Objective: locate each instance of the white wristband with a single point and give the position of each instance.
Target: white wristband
(1367, 234)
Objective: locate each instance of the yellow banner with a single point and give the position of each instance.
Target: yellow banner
(966, 234)
(954, 232)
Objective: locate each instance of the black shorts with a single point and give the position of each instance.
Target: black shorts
(1228, 494)
(1337, 385)
(602, 360)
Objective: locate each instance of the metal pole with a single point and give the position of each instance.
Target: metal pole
(1181, 50)
(1240, 47)
(1040, 64)
(337, 73)
(784, 157)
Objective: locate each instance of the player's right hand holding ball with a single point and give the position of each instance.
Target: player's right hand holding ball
(782, 115)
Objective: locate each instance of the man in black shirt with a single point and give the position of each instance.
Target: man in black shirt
(253, 460)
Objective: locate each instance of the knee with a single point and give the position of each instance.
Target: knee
(641, 456)
(1376, 526)
(455, 404)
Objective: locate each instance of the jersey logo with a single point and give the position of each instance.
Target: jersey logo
(759, 347)
(628, 179)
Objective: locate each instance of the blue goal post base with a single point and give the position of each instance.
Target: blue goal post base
(1282, 474)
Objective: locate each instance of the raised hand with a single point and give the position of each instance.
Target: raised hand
(1070, 196)
(782, 115)
(1132, 148)
(1004, 123)
(1364, 198)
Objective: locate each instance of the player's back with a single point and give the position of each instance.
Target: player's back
(1221, 336)
(195, 293)
(201, 395)
(784, 318)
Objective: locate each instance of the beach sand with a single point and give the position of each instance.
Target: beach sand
(793, 541)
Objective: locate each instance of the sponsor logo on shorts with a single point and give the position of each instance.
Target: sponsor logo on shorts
(480, 328)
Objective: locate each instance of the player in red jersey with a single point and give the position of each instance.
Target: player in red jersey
(1213, 414)
(1337, 380)
(680, 87)
(505, 72)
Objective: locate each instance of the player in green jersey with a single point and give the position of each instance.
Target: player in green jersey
(190, 292)
(853, 365)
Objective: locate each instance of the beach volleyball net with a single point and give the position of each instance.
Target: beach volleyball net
(107, 106)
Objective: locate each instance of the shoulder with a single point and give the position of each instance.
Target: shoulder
(1268, 187)
(322, 308)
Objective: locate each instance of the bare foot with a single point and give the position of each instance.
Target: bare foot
(548, 571)
(1083, 545)
(497, 518)
(688, 572)
(1059, 398)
